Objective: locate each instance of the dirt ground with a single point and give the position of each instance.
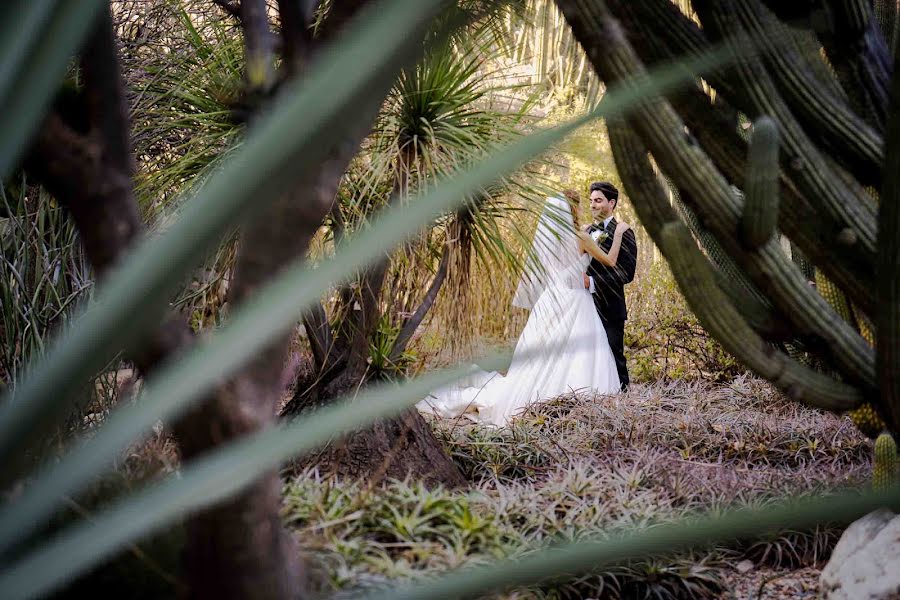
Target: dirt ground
(772, 584)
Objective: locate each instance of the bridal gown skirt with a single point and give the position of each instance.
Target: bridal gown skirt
(562, 348)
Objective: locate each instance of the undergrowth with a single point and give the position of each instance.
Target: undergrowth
(664, 341)
(584, 465)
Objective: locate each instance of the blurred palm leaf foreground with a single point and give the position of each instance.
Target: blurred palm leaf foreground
(239, 237)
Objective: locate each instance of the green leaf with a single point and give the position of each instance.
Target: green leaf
(205, 480)
(275, 308)
(290, 141)
(36, 47)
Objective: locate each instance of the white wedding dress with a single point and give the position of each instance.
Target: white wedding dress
(563, 346)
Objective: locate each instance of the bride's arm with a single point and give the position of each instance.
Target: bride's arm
(587, 244)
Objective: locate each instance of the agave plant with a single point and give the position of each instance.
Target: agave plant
(303, 131)
(43, 274)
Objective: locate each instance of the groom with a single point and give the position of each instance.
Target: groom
(607, 283)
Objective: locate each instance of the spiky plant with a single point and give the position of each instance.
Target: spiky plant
(220, 393)
(809, 84)
(188, 107)
(443, 115)
(44, 274)
(885, 468)
(538, 35)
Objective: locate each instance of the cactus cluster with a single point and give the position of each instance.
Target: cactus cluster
(813, 171)
(867, 420)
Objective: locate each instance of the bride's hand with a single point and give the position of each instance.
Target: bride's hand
(583, 236)
(621, 228)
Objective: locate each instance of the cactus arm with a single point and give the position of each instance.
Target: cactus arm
(717, 255)
(886, 15)
(761, 188)
(813, 56)
(771, 326)
(696, 279)
(657, 23)
(718, 207)
(888, 269)
(836, 298)
(829, 119)
(884, 466)
(864, 324)
(755, 307)
(844, 200)
(801, 223)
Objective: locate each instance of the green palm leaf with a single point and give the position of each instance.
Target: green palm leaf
(293, 138)
(275, 308)
(38, 39)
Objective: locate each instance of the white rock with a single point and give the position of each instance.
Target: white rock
(865, 564)
(745, 566)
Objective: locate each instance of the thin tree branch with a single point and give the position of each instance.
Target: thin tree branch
(259, 44)
(296, 35)
(412, 323)
(861, 58)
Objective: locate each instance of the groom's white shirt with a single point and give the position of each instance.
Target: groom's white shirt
(591, 279)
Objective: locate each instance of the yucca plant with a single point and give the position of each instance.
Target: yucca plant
(188, 105)
(302, 133)
(439, 118)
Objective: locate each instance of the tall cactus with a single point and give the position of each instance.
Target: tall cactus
(818, 170)
(885, 466)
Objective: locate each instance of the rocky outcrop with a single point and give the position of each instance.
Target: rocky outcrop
(865, 564)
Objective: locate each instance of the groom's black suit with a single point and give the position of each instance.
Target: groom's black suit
(609, 292)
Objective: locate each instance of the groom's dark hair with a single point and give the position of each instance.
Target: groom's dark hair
(608, 189)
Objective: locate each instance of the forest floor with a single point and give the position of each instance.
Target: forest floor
(590, 465)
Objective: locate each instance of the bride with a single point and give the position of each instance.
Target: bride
(563, 346)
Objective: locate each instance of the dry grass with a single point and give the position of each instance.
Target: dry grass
(581, 465)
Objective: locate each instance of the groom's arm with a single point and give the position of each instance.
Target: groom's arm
(623, 272)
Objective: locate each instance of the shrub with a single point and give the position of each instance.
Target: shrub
(664, 340)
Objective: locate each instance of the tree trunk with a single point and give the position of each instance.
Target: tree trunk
(238, 548)
(393, 448)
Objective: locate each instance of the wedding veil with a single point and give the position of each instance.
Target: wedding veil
(553, 260)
